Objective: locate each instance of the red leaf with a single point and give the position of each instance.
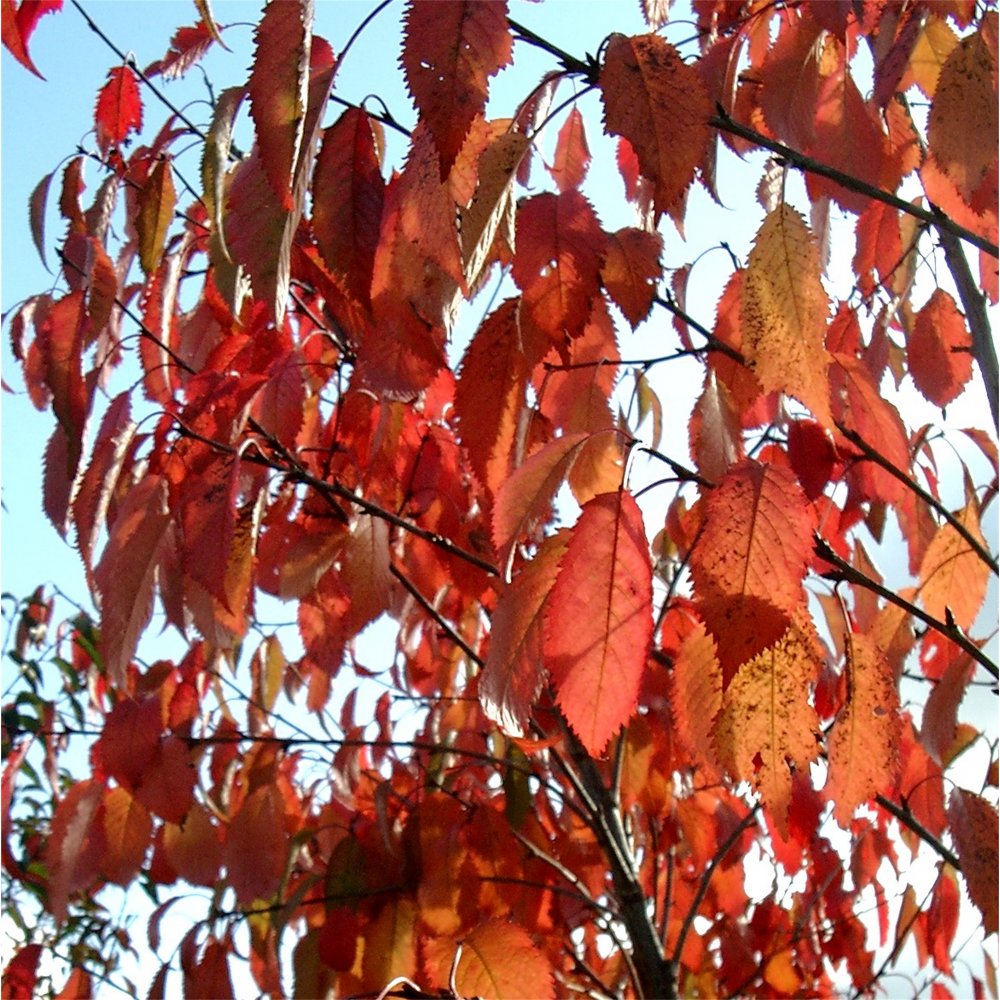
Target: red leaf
(631, 271)
(490, 397)
(598, 621)
(450, 50)
(750, 561)
(347, 199)
(569, 167)
(939, 349)
(560, 248)
(125, 576)
(278, 92)
(659, 103)
(194, 849)
(338, 939)
(36, 211)
(210, 976)
(75, 848)
(19, 25)
(976, 831)
(880, 245)
(187, 47)
(130, 739)
(167, 787)
(21, 972)
(515, 669)
(119, 109)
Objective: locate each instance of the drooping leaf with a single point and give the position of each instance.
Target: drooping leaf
(696, 697)
(499, 960)
(515, 669)
(784, 312)
(187, 48)
(939, 349)
(880, 246)
(19, 25)
(526, 495)
(560, 248)
(450, 50)
(194, 848)
(119, 109)
(215, 160)
(490, 396)
(964, 112)
(569, 167)
(167, 785)
(953, 577)
(631, 270)
(766, 725)
(366, 568)
(157, 199)
(598, 621)
(127, 830)
(750, 561)
(862, 743)
(36, 213)
(974, 826)
(278, 88)
(347, 199)
(659, 104)
(125, 576)
(76, 846)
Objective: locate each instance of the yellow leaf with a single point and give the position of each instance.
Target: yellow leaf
(784, 312)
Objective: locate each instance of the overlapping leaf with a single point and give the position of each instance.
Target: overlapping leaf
(659, 103)
(119, 109)
(598, 623)
(451, 49)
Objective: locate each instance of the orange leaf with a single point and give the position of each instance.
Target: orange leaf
(157, 199)
(256, 845)
(524, 498)
(631, 270)
(880, 245)
(119, 108)
(127, 831)
(862, 745)
(974, 827)
(490, 396)
(696, 697)
(167, 787)
(365, 567)
(789, 82)
(939, 349)
(347, 199)
(450, 50)
(766, 725)
(598, 621)
(750, 561)
(194, 849)
(784, 312)
(963, 114)
(390, 943)
(572, 154)
(952, 577)
(125, 576)
(560, 248)
(659, 103)
(499, 960)
(515, 671)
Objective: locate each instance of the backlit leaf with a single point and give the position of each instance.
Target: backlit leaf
(953, 578)
(515, 670)
(631, 271)
(766, 725)
(125, 576)
(157, 199)
(659, 103)
(127, 829)
(256, 845)
(194, 848)
(974, 826)
(76, 845)
(499, 960)
(750, 561)
(862, 743)
(450, 50)
(784, 312)
(569, 167)
(598, 622)
(939, 349)
(119, 108)
(187, 48)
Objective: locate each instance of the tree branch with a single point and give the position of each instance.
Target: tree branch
(908, 819)
(800, 161)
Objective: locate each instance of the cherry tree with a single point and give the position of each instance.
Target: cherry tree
(386, 368)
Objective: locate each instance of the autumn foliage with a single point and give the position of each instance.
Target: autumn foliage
(626, 665)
